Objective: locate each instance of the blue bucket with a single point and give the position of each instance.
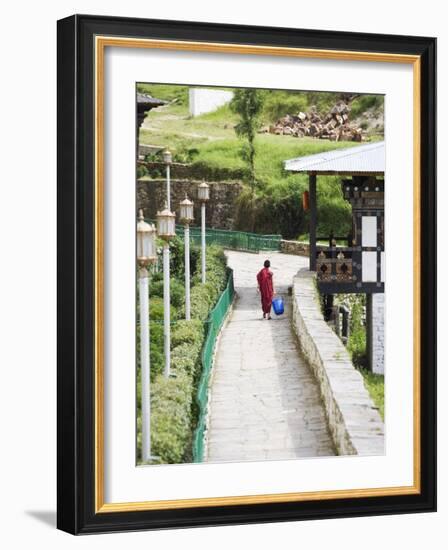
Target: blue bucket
(277, 304)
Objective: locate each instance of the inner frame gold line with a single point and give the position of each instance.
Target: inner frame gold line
(250, 49)
(101, 42)
(256, 499)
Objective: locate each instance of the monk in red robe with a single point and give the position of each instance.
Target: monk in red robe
(265, 281)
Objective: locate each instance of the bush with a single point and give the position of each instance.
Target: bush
(156, 309)
(200, 301)
(177, 258)
(170, 417)
(186, 332)
(334, 215)
(142, 171)
(280, 103)
(177, 293)
(365, 102)
(173, 409)
(356, 344)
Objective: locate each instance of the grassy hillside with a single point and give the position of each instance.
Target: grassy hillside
(209, 142)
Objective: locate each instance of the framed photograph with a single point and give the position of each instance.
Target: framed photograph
(246, 274)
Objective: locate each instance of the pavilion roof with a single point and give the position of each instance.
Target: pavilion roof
(366, 159)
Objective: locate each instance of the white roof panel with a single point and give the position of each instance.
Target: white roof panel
(369, 158)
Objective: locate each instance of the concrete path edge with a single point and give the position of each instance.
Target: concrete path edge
(354, 422)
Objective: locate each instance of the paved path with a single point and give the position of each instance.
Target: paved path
(264, 401)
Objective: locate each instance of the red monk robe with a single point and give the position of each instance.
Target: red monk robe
(266, 286)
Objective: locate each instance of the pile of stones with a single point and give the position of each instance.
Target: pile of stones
(334, 126)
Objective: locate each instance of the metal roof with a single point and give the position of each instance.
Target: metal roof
(147, 101)
(364, 159)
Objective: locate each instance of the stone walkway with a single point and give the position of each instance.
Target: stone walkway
(264, 400)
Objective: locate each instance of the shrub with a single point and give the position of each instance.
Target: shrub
(156, 349)
(185, 357)
(156, 309)
(186, 332)
(173, 409)
(334, 215)
(364, 103)
(177, 291)
(200, 302)
(170, 417)
(280, 103)
(142, 171)
(177, 257)
(356, 344)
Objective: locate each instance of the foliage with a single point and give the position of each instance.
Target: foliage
(173, 410)
(334, 216)
(156, 309)
(248, 103)
(204, 297)
(177, 94)
(142, 171)
(356, 344)
(375, 386)
(177, 258)
(365, 102)
(186, 332)
(209, 143)
(279, 103)
(170, 417)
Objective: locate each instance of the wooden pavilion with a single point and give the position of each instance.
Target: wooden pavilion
(354, 263)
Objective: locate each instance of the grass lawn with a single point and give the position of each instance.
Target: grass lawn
(375, 386)
(209, 144)
(210, 140)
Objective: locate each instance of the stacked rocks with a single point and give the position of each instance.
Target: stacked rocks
(334, 126)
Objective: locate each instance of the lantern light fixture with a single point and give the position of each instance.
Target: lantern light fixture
(146, 242)
(186, 211)
(203, 192)
(166, 224)
(167, 156)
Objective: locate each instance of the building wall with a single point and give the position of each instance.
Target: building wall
(203, 100)
(375, 332)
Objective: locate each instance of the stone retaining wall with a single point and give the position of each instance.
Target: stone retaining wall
(295, 247)
(355, 423)
(221, 208)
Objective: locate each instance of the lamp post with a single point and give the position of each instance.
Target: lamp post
(146, 255)
(203, 196)
(186, 217)
(166, 230)
(168, 159)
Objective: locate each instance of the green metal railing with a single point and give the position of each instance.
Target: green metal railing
(212, 327)
(233, 240)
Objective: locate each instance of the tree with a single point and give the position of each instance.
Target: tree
(248, 103)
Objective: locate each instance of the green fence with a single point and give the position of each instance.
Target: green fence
(234, 240)
(212, 327)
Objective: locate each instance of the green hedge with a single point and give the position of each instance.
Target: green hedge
(173, 409)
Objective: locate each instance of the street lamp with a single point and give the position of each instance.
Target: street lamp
(203, 196)
(168, 159)
(186, 217)
(166, 230)
(146, 255)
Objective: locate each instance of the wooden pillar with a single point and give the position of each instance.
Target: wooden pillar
(313, 220)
